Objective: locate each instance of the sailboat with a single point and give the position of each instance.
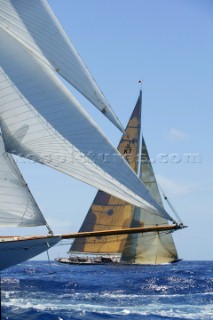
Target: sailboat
(41, 120)
(109, 212)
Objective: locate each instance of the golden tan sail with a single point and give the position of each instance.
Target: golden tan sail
(121, 228)
(108, 212)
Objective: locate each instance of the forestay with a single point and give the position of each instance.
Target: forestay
(17, 206)
(35, 26)
(40, 118)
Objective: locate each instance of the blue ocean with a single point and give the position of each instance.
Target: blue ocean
(35, 290)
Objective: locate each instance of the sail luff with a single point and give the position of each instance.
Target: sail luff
(23, 20)
(41, 118)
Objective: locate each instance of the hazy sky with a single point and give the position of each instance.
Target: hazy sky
(168, 44)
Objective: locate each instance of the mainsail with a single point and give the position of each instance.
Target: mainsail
(40, 119)
(153, 247)
(34, 25)
(108, 212)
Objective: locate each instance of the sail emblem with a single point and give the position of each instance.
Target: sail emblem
(128, 153)
(110, 212)
(127, 149)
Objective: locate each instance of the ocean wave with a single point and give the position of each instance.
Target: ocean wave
(183, 291)
(168, 310)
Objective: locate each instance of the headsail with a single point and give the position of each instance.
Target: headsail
(33, 24)
(108, 212)
(17, 206)
(154, 247)
(41, 119)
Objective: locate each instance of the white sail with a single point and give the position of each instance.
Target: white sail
(34, 24)
(40, 118)
(17, 206)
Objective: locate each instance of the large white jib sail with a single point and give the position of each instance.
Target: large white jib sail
(35, 26)
(40, 118)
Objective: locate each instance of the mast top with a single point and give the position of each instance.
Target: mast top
(140, 83)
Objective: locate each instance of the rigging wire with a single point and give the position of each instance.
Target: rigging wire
(171, 206)
(50, 265)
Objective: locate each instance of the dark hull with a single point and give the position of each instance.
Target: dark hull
(67, 261)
